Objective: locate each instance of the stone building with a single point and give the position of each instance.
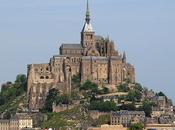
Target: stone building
(160, 127)
(125, 117)
(94, 58)
(19, 121)
(4, 124)
(108, 127)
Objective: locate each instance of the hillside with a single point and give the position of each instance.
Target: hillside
(75, 118)
(89, 98)
(13, 97)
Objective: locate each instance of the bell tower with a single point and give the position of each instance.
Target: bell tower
(87, 33)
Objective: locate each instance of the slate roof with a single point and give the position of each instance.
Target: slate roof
(97, 37)
(120, 113)
(71, 46)
(4, 121)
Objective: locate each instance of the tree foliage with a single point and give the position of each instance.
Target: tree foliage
(88, 85)
(102, 106)
(54, 96)
(11, 90)
(129, 107)
(134, 95)
(89, 89)
(138, 87)
(147, 108)
(20, 84)
(104, 90)
(75, 81)
(123, 88)
(64, 99)
(51, 97)
(103, 119)
(137, 126)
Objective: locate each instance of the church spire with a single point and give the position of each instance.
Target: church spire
(124, 57)
(87, 26)
(87, 13)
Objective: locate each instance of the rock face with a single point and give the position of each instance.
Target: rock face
(94, 58)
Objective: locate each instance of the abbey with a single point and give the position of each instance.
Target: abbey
(94, 59)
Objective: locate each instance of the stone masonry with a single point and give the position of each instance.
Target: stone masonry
(94, 58)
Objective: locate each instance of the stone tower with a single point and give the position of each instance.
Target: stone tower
(88, 40)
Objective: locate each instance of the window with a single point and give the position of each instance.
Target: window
(42, 77)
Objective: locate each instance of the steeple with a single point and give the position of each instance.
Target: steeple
(87, 33)
(87, 13)
(87, 26)
(124, 57)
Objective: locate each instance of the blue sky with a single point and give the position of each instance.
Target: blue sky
(31, 31)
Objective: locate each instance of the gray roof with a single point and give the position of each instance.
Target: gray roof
(4, 121)
(123, 112)
(99, 58)
(21, 116)
(97, 37)
(71, 46)
(116, 57)
(94, 58)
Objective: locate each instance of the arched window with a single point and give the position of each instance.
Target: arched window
(42, 77)
(47, 68)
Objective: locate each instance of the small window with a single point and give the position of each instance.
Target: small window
(42, 77)
(47, 77)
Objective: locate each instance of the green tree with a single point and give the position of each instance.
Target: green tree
(88, 85)
(103, 119)
(11, 92)
(137, 126)
(6, 86)
(2, 100)
(129, 107)
(76, 78)
(134, 95)
(63, 99)
(103, 106)
(76, 81)
(104, 90)
(51, 97)
(20, 84)
(89, 89)
(138, 87)
(147, 108)
(123, 88)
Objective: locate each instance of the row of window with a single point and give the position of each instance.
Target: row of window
(42, 69)
(72, 51)
(44, 77)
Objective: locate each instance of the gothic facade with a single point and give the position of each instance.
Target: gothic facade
(94, 58)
